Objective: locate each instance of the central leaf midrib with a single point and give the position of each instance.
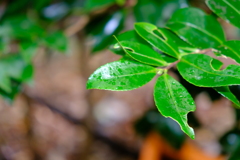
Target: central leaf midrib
(127, 75)
(230, 48)
(172, 96)
(231, 6)
(201, 30)
(152, 58)
(176, 53)
(206, 70)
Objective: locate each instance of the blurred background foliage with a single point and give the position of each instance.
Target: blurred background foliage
(48, 49)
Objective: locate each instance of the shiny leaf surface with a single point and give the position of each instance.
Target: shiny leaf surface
(160, 38)
(142, 53)
(174, 101)
(226, 92)
(230, 49)
(121, 75)
(226, 9)
(197, 28)
(126, 36)
(197, 69)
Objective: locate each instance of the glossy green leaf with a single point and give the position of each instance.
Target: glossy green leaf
(57, 41)
(197, 28)
(197, 69)
(142, 53)
(103, 30)
(226, 9)
(126, 36)
(121, 75)
(145, 10)
(174, 101)
(160, 38)
(13, 67)
(226, 92)
(230, 49)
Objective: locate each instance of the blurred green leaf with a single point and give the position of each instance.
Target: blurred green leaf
(197, 70)
(226, 9)
(9, 96)
(121, 75)
(21, 27)
(94, 4)
(15, 7)
(103, 30)
(13, 67)
(57, 41)
(174, 101)
(155, 11)
(28, 50)
(197, 28)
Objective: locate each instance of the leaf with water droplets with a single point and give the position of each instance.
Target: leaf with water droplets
(226, 92)
(230, 49)
(198, 70)
(126, 36)
(174, 101)
(197, 28)
(226, 9)
(121, 75)
(162, 39)
(142, 53)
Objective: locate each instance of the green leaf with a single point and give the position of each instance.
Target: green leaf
(13, 67)
(174, 101)
(142, 53)
(121, 75)
(230, 49)
(197, 28)
(226, 9)
(57, 41)
(226, 92)
(28, 50)
(145, 10)
(103, 30)
(21, 27)
(160, 38)
(198, 70)
(126, 36)
(95, 4)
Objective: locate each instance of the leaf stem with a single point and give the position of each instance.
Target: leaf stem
(171, 65)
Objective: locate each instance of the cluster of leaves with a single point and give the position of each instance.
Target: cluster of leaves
(112, 22)
(27, 25)
(149, 50)
(24, 27)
